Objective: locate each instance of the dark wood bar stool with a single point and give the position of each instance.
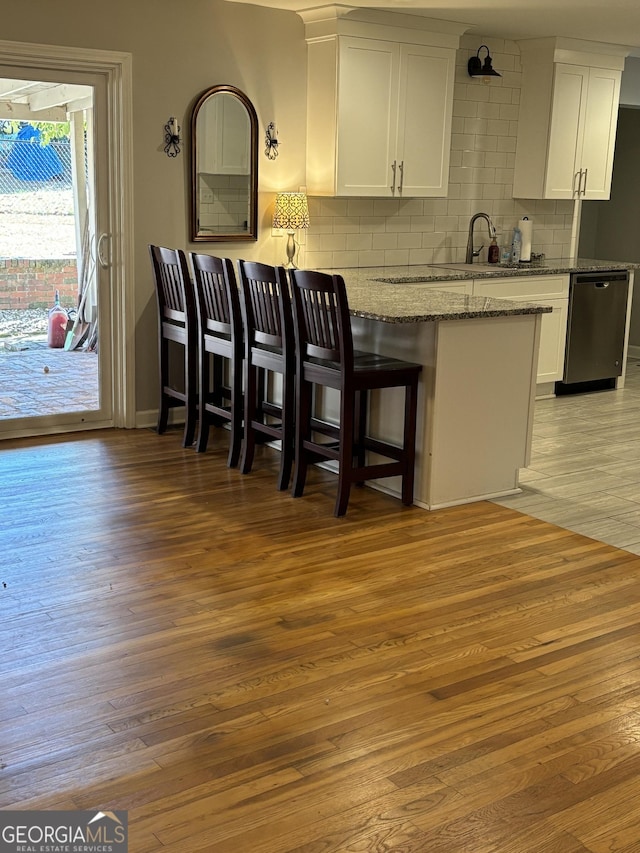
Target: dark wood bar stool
(220, 350)
(325, 357)
(269, 346)
(177, 324)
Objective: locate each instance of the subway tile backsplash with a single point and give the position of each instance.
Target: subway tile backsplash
(376, 232)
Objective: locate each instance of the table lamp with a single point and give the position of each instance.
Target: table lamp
(291, 212)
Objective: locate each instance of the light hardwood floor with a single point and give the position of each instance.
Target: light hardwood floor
(244, 673)
(585, 467)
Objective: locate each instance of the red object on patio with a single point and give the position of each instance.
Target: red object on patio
(57, 329)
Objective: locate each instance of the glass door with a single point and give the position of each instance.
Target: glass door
(55, 306)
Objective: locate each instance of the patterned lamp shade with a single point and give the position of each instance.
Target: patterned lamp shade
(291, 211)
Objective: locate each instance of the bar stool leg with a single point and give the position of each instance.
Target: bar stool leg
(249, 444)
(345, 472)
(410, 417)
(191, 416)
(303, 423)
(288, 437)
(163, 413)
(235, 444)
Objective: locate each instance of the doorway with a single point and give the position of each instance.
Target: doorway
(86, 380)
(50, 325)
(608, 229)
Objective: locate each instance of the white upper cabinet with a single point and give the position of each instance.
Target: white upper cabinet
(425, 107)
(379, 110)
(367, 104)
(568, 119)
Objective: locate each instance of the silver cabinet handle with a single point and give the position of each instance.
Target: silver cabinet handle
(584, 191)
(393, 185)
(578, 176)
(401, 176)
(105, 262)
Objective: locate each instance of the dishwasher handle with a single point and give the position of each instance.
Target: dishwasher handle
(599, 278)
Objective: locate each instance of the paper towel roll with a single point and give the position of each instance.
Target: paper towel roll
(526, 229)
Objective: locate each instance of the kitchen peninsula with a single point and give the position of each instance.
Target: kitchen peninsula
(479, 379)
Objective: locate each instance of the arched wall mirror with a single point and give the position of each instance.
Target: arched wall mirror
(224, 167)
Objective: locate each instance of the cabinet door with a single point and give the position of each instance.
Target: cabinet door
(424, 121)
(583, 132)
(541, 290)
(566, 131)
(553, 334)
(601, 118)
(367, 116)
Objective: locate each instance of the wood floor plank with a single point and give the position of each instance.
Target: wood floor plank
(242, 671)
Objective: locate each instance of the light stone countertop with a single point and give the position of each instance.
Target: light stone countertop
(395, 295)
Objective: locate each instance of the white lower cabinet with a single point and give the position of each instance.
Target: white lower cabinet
(553, 335)
(551, 290)
(541, 290)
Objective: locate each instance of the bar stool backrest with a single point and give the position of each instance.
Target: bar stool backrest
(218, 299)
(323, 325)
(267, 305)
(176, 302)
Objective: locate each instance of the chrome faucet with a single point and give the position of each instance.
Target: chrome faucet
(471, 252)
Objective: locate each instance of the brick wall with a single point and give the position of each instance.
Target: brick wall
(28, 283)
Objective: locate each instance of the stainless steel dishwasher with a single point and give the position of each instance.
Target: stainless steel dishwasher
(595, 330)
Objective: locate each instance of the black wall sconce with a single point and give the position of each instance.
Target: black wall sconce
(172, 138)
(479, 69)
(271, 141)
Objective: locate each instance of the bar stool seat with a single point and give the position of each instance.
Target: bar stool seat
(325, 357)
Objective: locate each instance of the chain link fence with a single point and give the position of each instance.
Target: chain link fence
(26, 164)
(37, 227)
(36, 198)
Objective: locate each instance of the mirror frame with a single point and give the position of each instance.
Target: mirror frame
(252, 222)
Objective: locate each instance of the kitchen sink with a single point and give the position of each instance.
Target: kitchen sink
(485, 267)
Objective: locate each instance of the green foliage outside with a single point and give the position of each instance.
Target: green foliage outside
(50, 130)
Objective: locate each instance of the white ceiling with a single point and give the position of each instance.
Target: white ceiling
(31, 100)
(612, 21)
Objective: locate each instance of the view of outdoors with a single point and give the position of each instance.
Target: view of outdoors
(38, 265)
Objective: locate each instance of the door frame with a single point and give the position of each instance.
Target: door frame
(116, 69)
